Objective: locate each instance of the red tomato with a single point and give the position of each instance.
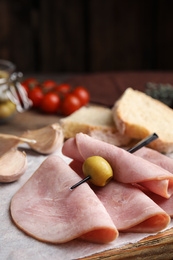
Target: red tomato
(70, 104)
(63, 88)
(36, 96)
(50, 103)
(30, 81)
(49, 84)
(83, 94)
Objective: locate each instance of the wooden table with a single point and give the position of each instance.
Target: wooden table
(153, 247)
(28, 120)
(158, 247)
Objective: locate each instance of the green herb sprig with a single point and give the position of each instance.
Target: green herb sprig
(161, 92)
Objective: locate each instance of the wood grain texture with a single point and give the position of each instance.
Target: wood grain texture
(86, 36)
(122, 33)
(157, 247)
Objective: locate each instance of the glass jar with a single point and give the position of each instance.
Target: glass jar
(7, 66)
(13, 97)
(7, 107)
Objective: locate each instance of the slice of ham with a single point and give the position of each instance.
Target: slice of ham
(130, 209)
(165, 204)
(155, 157)
(127, 167)
(46, 209)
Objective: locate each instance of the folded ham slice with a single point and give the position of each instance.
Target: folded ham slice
(130, 209)
(155, 157)
(165, 204)
(127, 167)
(48, 210)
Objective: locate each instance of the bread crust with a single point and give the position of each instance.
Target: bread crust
(95, 121)
(138, 115)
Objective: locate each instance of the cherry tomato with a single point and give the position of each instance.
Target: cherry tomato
(49, 84)
(70, 104)
(83, 94)
(63, 88)
(50, 103)
(36, 96)
(30, 81)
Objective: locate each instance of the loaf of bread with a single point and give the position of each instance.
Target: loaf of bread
(96, 121)
(137, 115)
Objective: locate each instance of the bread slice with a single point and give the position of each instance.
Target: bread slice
(137, 115)
(96, 121)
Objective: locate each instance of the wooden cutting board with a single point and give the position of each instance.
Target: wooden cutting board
(159, 247)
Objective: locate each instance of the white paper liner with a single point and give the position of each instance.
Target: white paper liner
(16, 245)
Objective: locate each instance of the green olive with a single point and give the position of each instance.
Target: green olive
(7, 109)
(98, 169)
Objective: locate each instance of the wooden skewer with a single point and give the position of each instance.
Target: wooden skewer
(144, 142)
(26, 140)
(80, 182)
(139, 145)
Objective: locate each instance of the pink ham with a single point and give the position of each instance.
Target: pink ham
(155, 157)
(127, 167)
(130, 209)
(165, 204)
(48, 210)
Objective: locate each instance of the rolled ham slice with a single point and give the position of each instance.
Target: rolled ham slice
(46, 209)
(130, 209)
(127, 167)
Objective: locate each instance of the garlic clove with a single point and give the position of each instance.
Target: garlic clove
(48, 139)
(13, 164)
(8, 142)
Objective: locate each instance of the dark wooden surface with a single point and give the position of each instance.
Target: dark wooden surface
(105, 88)
(29, 120)
(87, 36)
(158, 247)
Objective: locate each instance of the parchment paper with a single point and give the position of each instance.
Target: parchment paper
(16, 245)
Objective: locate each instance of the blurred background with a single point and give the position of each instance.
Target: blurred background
(59, 36)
